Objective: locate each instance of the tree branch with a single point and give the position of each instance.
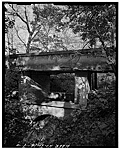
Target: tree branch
(99, 36)
(8, 44)
(27, 20)
(19, 37)
(110, 61)
(37, 28)
(35, 35)
(20, 18)
(85, 44)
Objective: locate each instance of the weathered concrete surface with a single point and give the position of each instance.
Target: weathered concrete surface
(82, 88)
(58, 108)
(61, 110)
(62, 61)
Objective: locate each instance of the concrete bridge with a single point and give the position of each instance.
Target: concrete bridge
(36, 70)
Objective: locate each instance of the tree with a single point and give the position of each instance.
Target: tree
(9, 23)
(39, 21)
(48, 17)
(95, 23)
(14, 123)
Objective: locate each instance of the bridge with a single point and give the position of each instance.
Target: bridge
(37, 68)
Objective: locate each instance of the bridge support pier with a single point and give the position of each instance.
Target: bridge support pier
(94, 81)
(82, 88)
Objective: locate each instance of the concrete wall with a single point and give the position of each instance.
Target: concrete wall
(82, 88)
(63, 61)
(61, 110)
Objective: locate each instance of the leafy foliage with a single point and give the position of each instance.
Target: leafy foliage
(40, 26)
(96, 23)
(15, 124)
(93, 21)
(95, 126)
(47, 17)
(89, 126)
(9, 23)
(11, 81)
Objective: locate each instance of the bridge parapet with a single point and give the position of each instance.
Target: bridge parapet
(86, 59)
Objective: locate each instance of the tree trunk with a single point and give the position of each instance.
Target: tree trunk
(107, 54)
(28, 44)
